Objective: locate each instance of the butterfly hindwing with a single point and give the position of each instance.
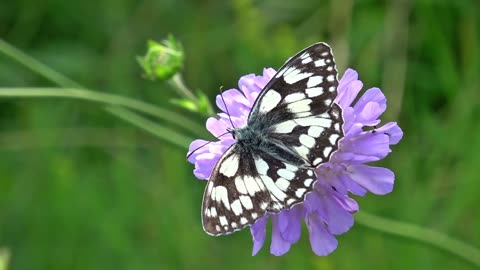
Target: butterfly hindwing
(246, 185)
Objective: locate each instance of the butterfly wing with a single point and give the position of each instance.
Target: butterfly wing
(297, 113)
(245, 185)
(297, 105)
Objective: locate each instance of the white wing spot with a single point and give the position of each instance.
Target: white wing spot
(243, 221)
(229, 166)
(328, 61)
(330, 78)
(320, 62)
(282, 184)
(207, 212)
(287, 174)
(234, 225)
(303, 114)
(314, 121)
(246, 202)
(302, 151)
(280, 73)
(315, 131)
(264, 205)
(300, 106)
(305, 55)
(333, 138)
(290, 167)
(213, 211)
(294, 97)
(330, 68)
(272, 188)
(291, 201)
(337, 126)
(331, 88)
(285, 127)
(299, 193)
(314, 81)
(261, 165)
(314, 92)
(223, 220)
(325, 53)
(307, 60)
(328, 101)
(295, 76)
(317, 161)
(307, 140)
(270, 100)
(237, 207)
(240, 185)
(308, 182)
(221, 194)
(251, 185)
(254, 215)
(310, 173)
(217, 228)
(327, 151)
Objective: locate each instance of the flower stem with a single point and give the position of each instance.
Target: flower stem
(177, 82)
(36, 66)
(162, 132)
(110, 99)
(414, 232)
(75, 91)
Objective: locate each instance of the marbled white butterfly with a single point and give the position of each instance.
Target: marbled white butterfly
(293, 127)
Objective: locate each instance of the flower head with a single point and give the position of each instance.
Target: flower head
(328, 210)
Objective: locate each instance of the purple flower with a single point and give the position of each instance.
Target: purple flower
(328, 210)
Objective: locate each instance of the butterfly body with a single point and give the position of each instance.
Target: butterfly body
(293, 127)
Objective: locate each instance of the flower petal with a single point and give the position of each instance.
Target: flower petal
(375, 179)
(348, 88)
(393, 131)
(279, 246)
(258, 230)
(335, 216)
(321, 240)
(291, 224)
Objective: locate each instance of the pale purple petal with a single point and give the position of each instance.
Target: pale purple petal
(279, 246)
(375, 179)
(258, 231)
(291, 224)
(393, 131)
(321, 240)
(237, 103)
(348, 88)
(335, 216)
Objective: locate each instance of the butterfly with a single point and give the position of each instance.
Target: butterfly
(293, 127)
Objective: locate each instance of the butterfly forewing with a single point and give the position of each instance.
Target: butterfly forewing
(293, 127)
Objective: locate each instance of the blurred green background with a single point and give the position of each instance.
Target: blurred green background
(81, 189)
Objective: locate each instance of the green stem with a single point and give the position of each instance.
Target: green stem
(177, 82)
(110, 99)
(163, 133)
(36, 66)
(414, 232)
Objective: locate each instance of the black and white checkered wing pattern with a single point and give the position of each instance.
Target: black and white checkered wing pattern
(246, 185)
(297, 105)
(293, 127)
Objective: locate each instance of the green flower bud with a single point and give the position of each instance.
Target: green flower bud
(162, 61)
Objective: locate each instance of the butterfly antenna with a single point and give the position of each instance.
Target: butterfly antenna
(225, 104)
(195, 150)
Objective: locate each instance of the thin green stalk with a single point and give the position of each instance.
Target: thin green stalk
(162, 132)
(110, 99)
(36, 66)
(427, 236)
(76, 91)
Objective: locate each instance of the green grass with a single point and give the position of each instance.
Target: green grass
(82, 189)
